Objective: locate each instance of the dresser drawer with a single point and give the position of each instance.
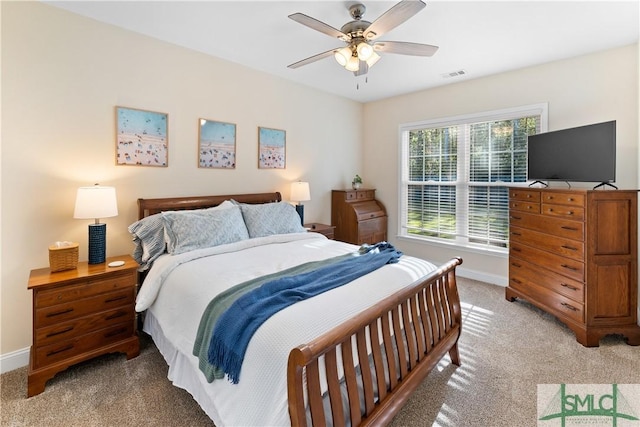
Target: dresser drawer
(556, 304)
(74, 309)
(565, 266)
(560, 227)
(524, 195)
(67, 330)
(516, 205)
(567, 199)
(85, 289)
(568, 212)
(522, 275)
(65, 349)
(558, 245)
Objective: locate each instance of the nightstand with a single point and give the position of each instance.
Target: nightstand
(81, 314)
(327, 230)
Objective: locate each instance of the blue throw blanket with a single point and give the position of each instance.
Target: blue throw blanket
(239, 322)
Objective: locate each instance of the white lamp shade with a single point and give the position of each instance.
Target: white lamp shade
(96, 202)
(353, 64)
(373, 58)
(300, 192)
(364, 51)
(343, 55)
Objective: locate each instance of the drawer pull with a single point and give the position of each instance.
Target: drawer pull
(515, 264)
(516, 249)
(58, 313)
(564, 285)
(515, 217)
(372, 215)
(116, 298)
(516, 280)
(569, 248)
(515, 233)
(116, 315)
(570, 213)
(566, 227)
(569, 306)
(116, 332)
(53, 334)
(568, 267)
(63, 349)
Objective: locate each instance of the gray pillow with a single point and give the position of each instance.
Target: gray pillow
(271, 218)
(189, 230)
(148, 237)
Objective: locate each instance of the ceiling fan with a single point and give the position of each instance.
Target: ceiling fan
(360, 53)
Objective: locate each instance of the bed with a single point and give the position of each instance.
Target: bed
(348, 356)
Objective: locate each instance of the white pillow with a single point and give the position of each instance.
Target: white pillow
(271, 218)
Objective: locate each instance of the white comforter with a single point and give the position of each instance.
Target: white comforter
(178, 289)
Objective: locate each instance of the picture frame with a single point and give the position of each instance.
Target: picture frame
(271, 148)
(216, 144)
(142, 137)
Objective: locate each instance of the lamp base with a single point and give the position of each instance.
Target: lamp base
(300, 210)
(97, 243)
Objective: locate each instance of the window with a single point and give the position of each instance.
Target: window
(455, 173)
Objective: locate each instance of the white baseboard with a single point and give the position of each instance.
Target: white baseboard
(483, 277)
(14, 360)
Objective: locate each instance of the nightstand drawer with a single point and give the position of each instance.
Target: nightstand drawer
(67, 330)
(74, 309)
(69, 348)
(88, 288)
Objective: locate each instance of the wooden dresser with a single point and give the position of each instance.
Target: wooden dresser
(573, 253)
(358, 217)
(80, 314)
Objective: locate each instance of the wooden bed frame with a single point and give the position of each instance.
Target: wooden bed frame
(418, 325)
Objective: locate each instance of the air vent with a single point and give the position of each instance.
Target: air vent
(457, 73)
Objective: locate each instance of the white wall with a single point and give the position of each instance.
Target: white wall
(62, 76)
(588, 89)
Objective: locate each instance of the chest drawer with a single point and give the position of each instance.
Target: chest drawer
(558, 245)
(516, 205)
(64, 349)
(523, 275)
(84, 289)
(560, 227)
(567, 199)
(62, 312)
(524, 195)
(556, 304)
(66, 330)
(568, 212)
(568, 267)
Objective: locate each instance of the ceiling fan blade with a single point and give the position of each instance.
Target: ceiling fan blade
(312, 59)
(393, 17)
(406, 48)
(314, 24)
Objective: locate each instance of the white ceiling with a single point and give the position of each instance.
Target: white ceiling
(480, 37)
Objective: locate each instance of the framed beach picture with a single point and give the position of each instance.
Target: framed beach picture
(271, 148)
(141, 137)
(217, 144)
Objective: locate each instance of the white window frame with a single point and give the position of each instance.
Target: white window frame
(541, 109)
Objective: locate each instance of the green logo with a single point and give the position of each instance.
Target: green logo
(589, 404)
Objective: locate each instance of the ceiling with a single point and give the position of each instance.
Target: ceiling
(479, 37)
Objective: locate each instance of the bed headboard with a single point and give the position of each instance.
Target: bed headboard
(147, 207)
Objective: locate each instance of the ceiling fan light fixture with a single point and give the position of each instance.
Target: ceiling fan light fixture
(353, 64)
(364, 51)
(373, 58)
(343, 55)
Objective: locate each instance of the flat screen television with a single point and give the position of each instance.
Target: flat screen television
(580, 154)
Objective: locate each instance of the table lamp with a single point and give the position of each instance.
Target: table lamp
(94, 203)
(300, 193)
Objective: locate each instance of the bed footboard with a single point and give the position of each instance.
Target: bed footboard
(417, 325)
